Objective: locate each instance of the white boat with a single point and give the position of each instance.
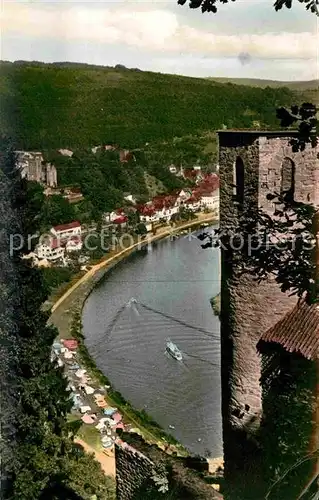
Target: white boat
(173, 350)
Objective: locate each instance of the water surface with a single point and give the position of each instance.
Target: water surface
(174, 280)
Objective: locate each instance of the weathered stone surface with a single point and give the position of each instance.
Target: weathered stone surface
(248, 308)
(134, 471)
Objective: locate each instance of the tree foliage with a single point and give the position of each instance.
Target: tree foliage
(93, 105)
(305, 116)
(43, 212)
(45, 455)
(212, 5)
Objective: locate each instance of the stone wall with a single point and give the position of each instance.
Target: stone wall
(272, 151)
(133, 472)
(249, 308)
(137, 464)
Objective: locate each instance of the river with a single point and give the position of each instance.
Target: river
(172, 282)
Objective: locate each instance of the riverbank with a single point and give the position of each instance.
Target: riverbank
(72, 301)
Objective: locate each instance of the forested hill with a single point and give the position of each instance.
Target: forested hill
(257, 82)
(45, 106)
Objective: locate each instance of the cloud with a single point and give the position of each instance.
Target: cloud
(148, 29)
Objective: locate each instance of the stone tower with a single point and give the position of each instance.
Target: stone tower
(252, 164)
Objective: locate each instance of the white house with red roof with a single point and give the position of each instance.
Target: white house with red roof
(210, 199)
(63, 238)
(64, 231)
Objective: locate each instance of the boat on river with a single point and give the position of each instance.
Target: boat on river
(173, 350)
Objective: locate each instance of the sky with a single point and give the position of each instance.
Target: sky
(245, 39)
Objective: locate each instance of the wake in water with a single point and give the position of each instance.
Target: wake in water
(133, 304)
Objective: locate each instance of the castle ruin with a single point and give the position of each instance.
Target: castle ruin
(33, 167)
(252, 165)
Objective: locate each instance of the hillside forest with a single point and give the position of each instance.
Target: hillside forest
(162, 119)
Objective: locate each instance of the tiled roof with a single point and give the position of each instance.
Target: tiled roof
(120, 220)
(65, 227)
(298, 331)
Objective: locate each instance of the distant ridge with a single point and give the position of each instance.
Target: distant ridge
(256, 82)
(74, 105)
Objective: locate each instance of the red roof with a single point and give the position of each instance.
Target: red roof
(70, 344)
(158, 201)
(120, 220)
(298, 331)
(147, 210)
(117, 417)
(170, 200)
(194, 198)
(65, 227)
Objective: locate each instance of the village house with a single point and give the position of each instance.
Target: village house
(65, 231)
(147, 212)
(129, 197)
(50, 250)
(73, 195)
(63, 239)
(126, 155)
(194, 202)
(65, 152)
(190, 174)
(183, 196)
(172, 169)
(210, 200)
(121, 220)
(74, 244)
(113, 216)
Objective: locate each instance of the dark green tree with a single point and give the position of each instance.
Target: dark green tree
(44, 452)
(57, 210)
(141, 229)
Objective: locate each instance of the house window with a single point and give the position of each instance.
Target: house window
(239, 182)
(288, 178)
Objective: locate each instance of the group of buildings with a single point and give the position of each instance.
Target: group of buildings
(61, 240)
(67, 238)
(205, 195)
(33, 167)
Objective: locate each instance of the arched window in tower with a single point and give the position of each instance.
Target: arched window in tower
(288, 178)
(239, 182)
